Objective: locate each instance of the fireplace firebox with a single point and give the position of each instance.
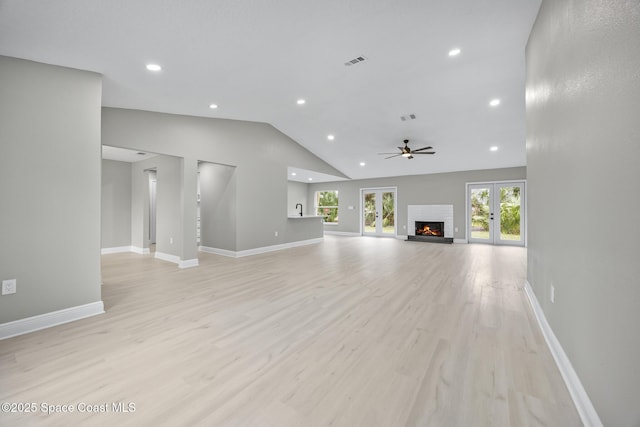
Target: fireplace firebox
(429, 228)
(430, 231)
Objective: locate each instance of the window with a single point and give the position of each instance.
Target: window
(327, 206)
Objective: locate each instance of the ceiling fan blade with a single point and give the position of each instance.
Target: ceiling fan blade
(424, 152)
(395, 155)
(391, 153)
(423, 148)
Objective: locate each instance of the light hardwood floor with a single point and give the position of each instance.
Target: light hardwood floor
(352, 331)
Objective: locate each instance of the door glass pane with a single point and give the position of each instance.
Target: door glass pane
(510, 213)
(369, 212)
(388, 213)
(480, 211)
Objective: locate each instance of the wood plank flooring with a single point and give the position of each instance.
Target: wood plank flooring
(352, 331)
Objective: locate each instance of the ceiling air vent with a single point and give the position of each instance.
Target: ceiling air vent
(408, 117)
(354, 61)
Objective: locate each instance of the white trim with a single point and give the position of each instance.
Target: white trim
(261, 250)
(401, 237)
(168, 257)
(188, 263)
(217, 251)
(273, 248)
(585, 408)
(47, 320)
(504, 181)
(464, 241)
(141, 251)
(341, 233)
(116, 250)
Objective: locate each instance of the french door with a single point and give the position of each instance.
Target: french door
(379, 212)
(496, 213)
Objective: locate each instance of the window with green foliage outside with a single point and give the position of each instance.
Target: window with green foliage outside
(327, 206)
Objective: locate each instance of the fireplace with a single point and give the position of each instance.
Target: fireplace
(430, 231)
(429, 228)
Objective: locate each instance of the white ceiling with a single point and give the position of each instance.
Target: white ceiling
(255, 58)
(124, 155)
(310, 177)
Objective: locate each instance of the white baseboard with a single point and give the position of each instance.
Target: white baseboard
(116, 250)
(47, 320)
(579, 395)
(402, 237)
(261, 250)
(188, 263)
(217, 251)
(342, 233)
(141, 251)
(460, 241)
(167, 257)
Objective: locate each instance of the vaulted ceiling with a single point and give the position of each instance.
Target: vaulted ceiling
(255, 59)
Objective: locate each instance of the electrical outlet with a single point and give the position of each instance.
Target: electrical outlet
(404, 227)
(275, 233)
(9, 286)
(455, 229)
(171, 240)
(552, 293)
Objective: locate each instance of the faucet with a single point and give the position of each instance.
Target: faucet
(299, 204)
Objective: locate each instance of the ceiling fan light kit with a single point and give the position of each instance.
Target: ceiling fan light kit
(408, 152)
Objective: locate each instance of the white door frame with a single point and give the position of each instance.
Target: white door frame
(395, 209)
(523, 214)
(153, 191)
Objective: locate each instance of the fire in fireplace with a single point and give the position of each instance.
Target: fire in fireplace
(429, 228)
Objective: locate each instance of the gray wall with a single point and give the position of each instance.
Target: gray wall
(260, 153)
(168, 173)
(140, 203)
(298, 192)
(440, 188)
(583, 146)
(50, 186)
(168, 205)
(116, 204)
(217, 206)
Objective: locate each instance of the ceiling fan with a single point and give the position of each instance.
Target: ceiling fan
(408, 152)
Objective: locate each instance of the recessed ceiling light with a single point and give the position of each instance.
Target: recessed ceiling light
(153, 67)
(454, 52)
(301, 101)
(362, 163)
(494, 102)
(293, 174)
(494, 148)
(331, 137)
(310, 179)
(213, 106)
